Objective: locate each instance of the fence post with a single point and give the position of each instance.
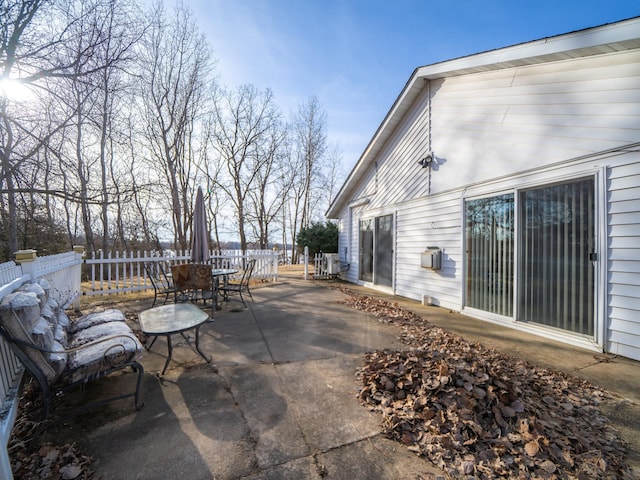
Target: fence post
(26, 259)
(275, 255)
(78, 250)
(306, 263)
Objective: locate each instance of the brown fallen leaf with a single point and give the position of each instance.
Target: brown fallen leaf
(507, 411)
(548, 466)
(531, 448)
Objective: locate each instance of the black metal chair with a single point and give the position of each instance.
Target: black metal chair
(162, 285)
(241, 285)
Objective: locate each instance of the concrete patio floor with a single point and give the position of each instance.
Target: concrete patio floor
(279, 399)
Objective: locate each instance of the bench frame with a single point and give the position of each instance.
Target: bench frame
(51, 390)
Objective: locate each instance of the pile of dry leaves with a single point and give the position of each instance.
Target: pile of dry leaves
(477, 413)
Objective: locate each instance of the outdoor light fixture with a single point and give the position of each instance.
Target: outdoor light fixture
(426, 161)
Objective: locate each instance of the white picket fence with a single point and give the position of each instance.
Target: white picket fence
(63, 273)
(325, 265)
(122, 272)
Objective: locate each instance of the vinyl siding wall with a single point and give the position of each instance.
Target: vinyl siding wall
(499, 123)
(432, 222)
(499, 131)
(623, 273)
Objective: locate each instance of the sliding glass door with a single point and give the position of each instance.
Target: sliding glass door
(383, 264)
(376, 250)
(554, 251)
(490, 254)
(557, 273)
(366, 250)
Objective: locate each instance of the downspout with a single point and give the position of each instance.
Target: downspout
(429, 151)
(429, 117)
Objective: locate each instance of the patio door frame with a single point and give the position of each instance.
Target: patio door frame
(597, 341)
(374, 282)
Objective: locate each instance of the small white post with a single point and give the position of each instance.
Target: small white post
(274, 263)
(306, 263)
(79, 250)
(26, 259)
(5, 464)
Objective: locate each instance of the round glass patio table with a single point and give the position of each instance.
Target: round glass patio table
(170, 319)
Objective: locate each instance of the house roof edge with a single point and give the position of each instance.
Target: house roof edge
(617, 36)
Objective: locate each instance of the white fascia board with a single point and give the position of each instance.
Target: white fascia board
(621, 32)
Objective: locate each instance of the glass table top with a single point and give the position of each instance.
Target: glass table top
(171, 318)
(218, 272)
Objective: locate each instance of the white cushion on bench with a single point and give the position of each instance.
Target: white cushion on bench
(96, 342)
(96, 318)
(93, 359)
(20, 312)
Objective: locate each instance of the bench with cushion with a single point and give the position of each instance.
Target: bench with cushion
(61, 354)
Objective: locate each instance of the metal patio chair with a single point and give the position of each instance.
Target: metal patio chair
(241, 285)
(162, 284)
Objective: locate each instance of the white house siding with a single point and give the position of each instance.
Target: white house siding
(623, 275)
(498, 123)
(433, 221)
(437, 221)
(492, 124)
(394, 178)
(348, 238)
(399, 176)
(496, 132)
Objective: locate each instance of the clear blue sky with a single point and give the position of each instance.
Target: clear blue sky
(356, 55)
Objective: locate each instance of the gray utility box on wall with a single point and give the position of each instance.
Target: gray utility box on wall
(431, 258)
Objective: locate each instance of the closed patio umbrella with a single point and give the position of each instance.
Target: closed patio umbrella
(199, 232)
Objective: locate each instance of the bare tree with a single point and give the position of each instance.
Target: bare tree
(307, 158)
(175, 73)
(23, 57)
(310, 125)
(332, 174)
(211, 169)
(113, 139)
(119, 32)
(267, 197)
(48, 46)
(245, 122)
